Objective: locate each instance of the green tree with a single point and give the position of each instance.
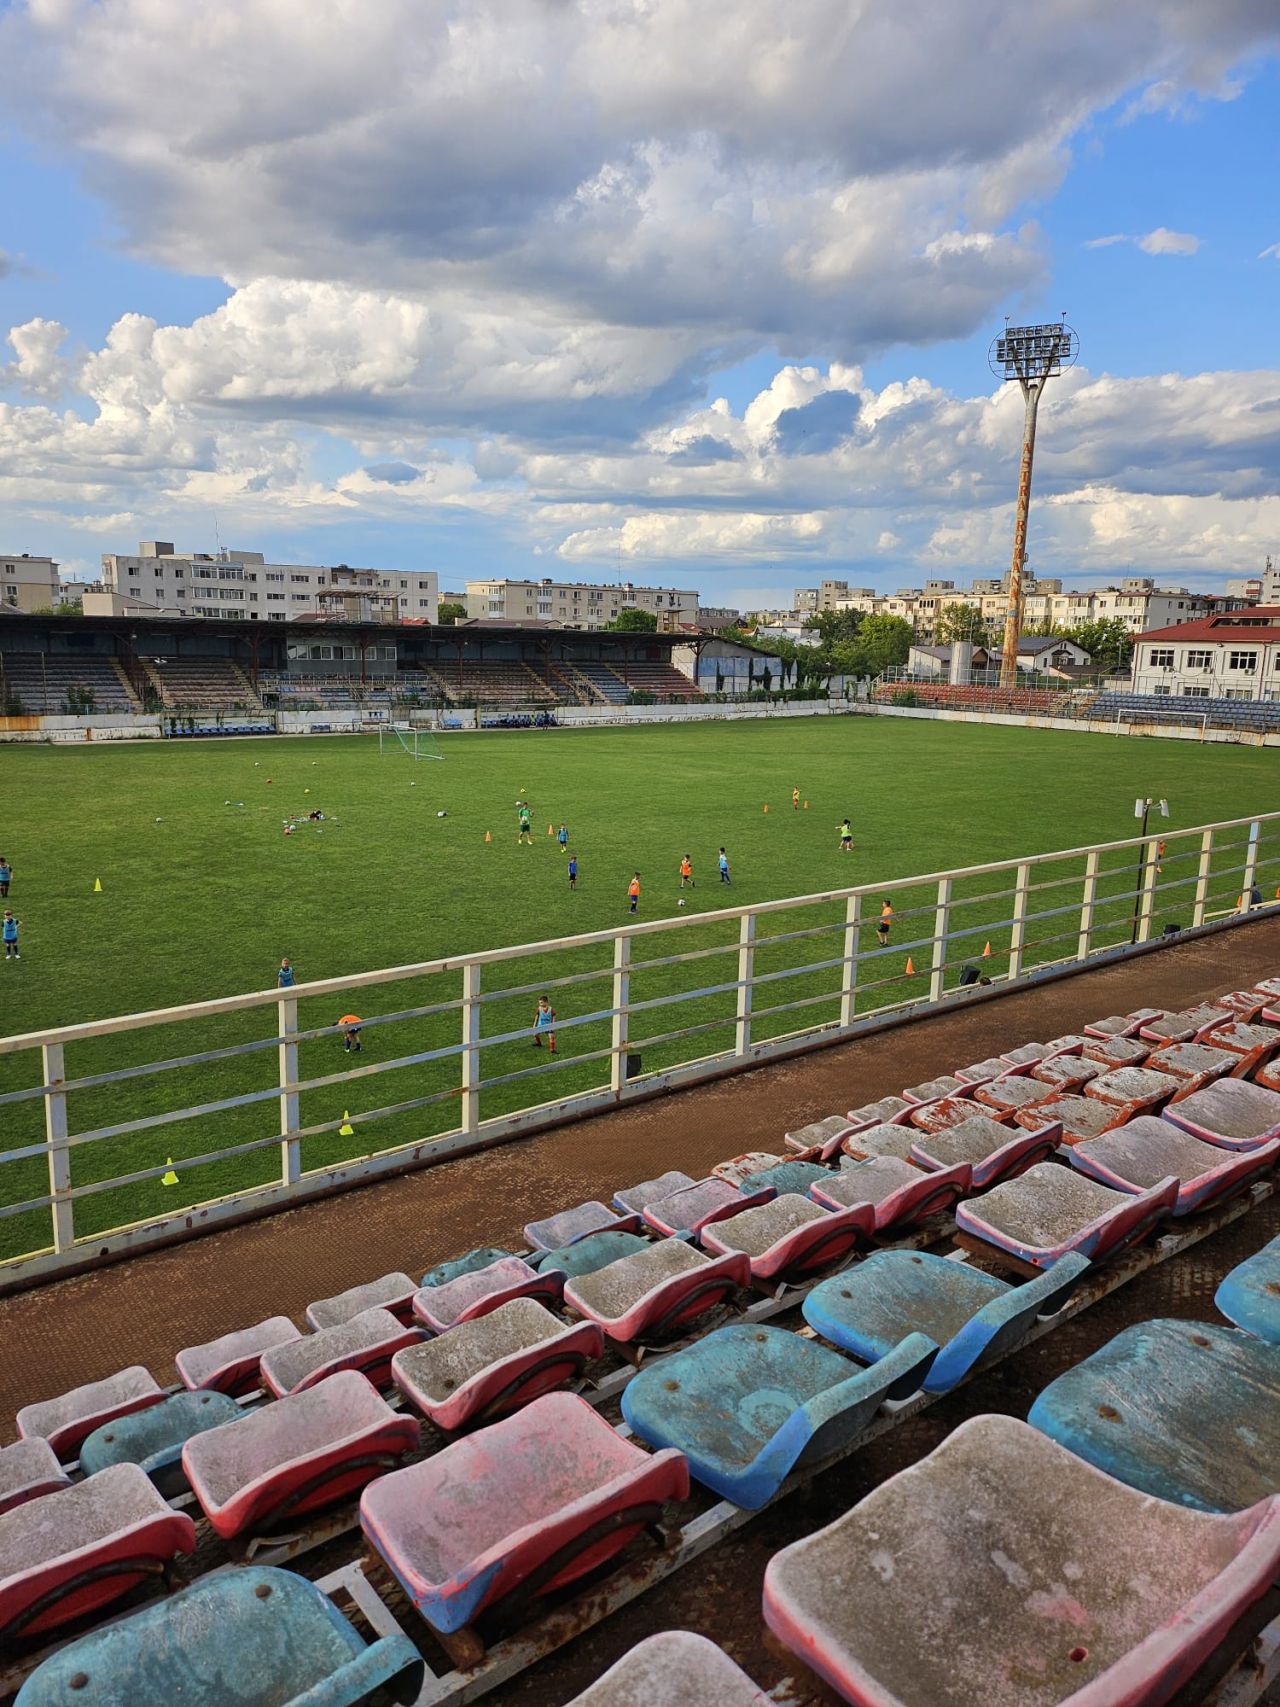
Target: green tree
(633, 621)
(882, 642)
(960, 622)
(451, 612)
(1106, 640)
(838, 627)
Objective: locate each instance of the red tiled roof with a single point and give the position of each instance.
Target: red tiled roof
(1259, 624)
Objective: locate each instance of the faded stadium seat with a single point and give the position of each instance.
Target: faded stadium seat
(29, 1469)
(1066, 1070)
(479, 1290)
(69, 1553)
(820, 1137)
(1078, 1116)
(673, 1669)
(230, 1364)
(748, 1405)
(890, 1138)
(1249, 1295)
(970, 1316)
(1246, 1005)
(518, 1509)
(1229, 1112)
(1187, 1411)
(485, 1368)
(254, 1635)
(932, 1090)
(1183, 1025)
(791, 1175)
(698, 1205)
(649, 1295)
(366, 1342)
(791, 1238)
(1136, 1156)
(1193, 1063)
(1054, 1582)
(982, 1072)
(598, 1250)
(482, 1257)
(153, 1439)
(635, 1199)
(993, 1152)
(1122, 1025)
(1026, 1055)
(1252, 1045)
(1116, 1051)
(901, 1195)
(1134, 1090)
(392, 1292)
(1013, 1091)
(739, 1168)
(580, 1222)
(66, 1420)
(1051, 1210)
(293, 1456)
(945, 1111)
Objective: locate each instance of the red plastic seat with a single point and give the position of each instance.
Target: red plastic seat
(655, 1292)
(483, 1289)
(29, 1469)
(1051, 1210)
(901, 1194)
(65, 1421)
(698, 1205)
(230, 1364)
(1136, 1156)
(366, 1342)
(992, 1152)
(392, 1292)
(792, 1237)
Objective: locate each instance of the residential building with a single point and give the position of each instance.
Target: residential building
(1037, 655)
(243, 584)
(574, 604)
(804, 601)
(1233, 655)
(717, 616)
(28, 583)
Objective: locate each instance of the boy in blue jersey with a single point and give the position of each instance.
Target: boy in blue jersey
(284, 977)
(563, 837)
(9, 931)
(573, 871)
(724, 867)
(544, 1024)
(6, 875)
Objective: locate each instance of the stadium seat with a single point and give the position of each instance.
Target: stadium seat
(66, 1420)
(595, 1251)
(1183, 1026)
(1050, 1211)
(1229, 1112)
(1026, 1055)
(1116, 1051)
(820, 1137)
(580, 1222)
(993, 1152)
(872, 1113)
(635, 1199)
(1079, 1116)
(737, 1168)
(674, 1667)
(945, 1111)
(1053, 1582)
(981, 1072)
(487, 1367)
(69, 1553)
(887, 1139)
(1252, 1045)
(480, 1290)
(970, 1316)
(650, 1295)
(393, 1292)
(153, 1439)
(901, 1195)
(1269, 1076)
(932, 1089)
(28, 1469)
(482, 1257)
(1187, 1411)
(794, 1175)
(253, 1635)
(748, 1405)
(1246, 1005)
(1067, 1070)
(1249, 1295)
(1013, 1091)
(1138, 1155)
(698, 1205)
(518, 1509)
(1122, 1025)
(305, 1451)
(1133, 1090)
(366, 1342)
(792, 1238)
(1192, 1063)
(230, 1364)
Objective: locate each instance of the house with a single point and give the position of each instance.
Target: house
(1232, 656)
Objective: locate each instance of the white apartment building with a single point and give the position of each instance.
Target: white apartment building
(242, 584)
(574, 604)
(1235, 655)
(28, 583)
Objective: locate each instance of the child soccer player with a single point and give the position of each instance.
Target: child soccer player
(846, 836)
(544, 1024)
(724, 866)
(6, 875)
(795, 799)
(10, 935)
(633, 891)
(526, 828)
(284, 977)
(883, 923)
(686, 873)
(351, 1024)
(573, 871)
(563, 837)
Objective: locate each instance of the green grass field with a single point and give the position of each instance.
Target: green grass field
(201, 898)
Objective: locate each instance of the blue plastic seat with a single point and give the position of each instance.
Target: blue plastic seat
(153, 1439)
(972, 1316)
(254, 1634)
(785, 1177)
(1187, 1411)
(1250, 1295)
(747, 1405)
(585, 1256)
(481, 1257)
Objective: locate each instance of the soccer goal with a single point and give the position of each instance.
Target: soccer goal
(401, 738)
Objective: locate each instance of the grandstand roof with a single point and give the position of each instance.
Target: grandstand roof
(1258, 623)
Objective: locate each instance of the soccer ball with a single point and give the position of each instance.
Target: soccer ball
(442, 814)
(680, 902)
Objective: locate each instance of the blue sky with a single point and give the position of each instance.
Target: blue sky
(591, 297)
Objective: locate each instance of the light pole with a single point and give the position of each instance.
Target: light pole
(1142, 809)
(1032, 355)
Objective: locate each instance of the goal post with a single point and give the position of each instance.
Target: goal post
(400, 739)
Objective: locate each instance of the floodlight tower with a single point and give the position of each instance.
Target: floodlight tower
(1032, 355)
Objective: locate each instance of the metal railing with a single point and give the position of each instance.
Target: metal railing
(235, 1105)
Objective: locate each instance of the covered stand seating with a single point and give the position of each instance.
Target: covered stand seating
(69, 1553)
(748, 1405)
(1187, 1411)
(393, 1292)
(673, 1667)
(971, 1316)
(662, 1288)
(478, 1290)
(792, 1237)
(1056, 1583)
(153, 1439)
(1051, 1210)
(1138, 1155)
(516, 1510)
(294, 1456)
(901, 1195)
(1230, 1112)
(487, 1367)
(65, 1421)
(230, 1363)
(29, 1469)
(1250, 1295)
(253, 1635)
(366, 1342)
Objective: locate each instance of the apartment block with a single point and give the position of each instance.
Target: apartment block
(28, 583)
(575, 604)
(1234, 655)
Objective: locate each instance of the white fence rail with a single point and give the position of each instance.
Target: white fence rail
(241, 1097)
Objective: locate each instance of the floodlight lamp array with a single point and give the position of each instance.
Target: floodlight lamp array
(1034, 352)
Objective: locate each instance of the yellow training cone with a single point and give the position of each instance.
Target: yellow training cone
(911, 971)
(346, 1130)
(97, 886)
(766, 805)
(806, 805)
(170, 1178)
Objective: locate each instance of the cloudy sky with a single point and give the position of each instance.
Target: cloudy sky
(691, 290)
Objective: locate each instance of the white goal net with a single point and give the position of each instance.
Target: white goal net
(400, 739)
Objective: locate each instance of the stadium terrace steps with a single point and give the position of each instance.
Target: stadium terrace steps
(39, 683)
(203, 684)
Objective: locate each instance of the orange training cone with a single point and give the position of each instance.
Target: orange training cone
(986, 953)
(911, 971)
(487, 836)
(550, 831)
(766, 805)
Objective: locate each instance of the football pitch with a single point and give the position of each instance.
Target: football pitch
(203, 893)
